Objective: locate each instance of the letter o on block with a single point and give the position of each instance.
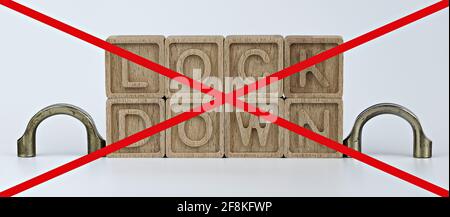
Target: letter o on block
(206, 137)
(201, 136)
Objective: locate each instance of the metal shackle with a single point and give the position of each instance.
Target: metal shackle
(422, 145)
(26, 145)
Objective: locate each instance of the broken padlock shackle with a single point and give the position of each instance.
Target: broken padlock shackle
(26, 145)
(422, 145)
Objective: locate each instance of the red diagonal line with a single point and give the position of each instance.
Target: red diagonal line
(103, 151)
(342, 48)
(345, 150)
(110, 47)
(431, 8)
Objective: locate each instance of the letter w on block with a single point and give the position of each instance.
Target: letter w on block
(247, 135)
(253, 123)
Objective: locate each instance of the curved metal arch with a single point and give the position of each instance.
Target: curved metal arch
(422, 145)
(26, 145)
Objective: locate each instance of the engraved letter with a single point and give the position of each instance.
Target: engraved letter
(123, 124)
(125, 82)
(305, 121)
(204, 139)
(254, 123)
(313, 69)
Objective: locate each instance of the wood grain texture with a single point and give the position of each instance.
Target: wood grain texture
(254, 57)
(201, 136)
(324, 80)
(126, 116)
(249, 136)
(323, 116)
(186, 54)
(314, 96)
(127, 79)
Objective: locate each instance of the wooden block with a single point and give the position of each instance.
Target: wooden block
(189, 54)
(323, 116)
(247, 135)
(254, 57)
(128, 116)
(324, 80)
(201, 136)
(127, 79)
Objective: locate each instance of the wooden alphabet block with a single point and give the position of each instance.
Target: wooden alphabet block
(324, 80)
(201, 136)
(128, 116)
(247, 135)
(254, 57)
(323, 116)
(313, 96)
(197, 57)
(127, 79)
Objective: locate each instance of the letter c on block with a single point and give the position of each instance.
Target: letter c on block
(253, 52)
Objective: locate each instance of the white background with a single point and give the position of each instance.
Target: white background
(42, 66)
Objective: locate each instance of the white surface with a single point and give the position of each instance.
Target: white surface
(225, 177)
(42, 66)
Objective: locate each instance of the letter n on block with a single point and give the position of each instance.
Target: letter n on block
(127, 79)
(323, 80)
(201, 136)
(322, 116)
(126, 117)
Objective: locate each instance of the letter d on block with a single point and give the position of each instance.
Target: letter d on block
(134, 126)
